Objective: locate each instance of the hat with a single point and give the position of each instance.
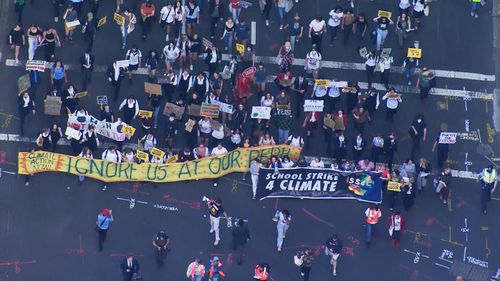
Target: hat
(105, 212)
(216, 258)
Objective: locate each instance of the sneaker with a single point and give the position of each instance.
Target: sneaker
(212, 231)
(352, 4)
(334, 273)
(215, 184)
(302, 274)
(17, 61)
(27, 183)
(166, 38)
(123, 47)
(267, 22)
(281, 27)
(56, 19)
(444, 202)
(471, 14)
(191, 67)
(104, 188)
(279, 249)
(253, 197)
(476, 16)
(409, 83)
(216, 242)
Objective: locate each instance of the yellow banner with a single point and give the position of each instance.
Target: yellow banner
(210, 167)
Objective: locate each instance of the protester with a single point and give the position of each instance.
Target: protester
(333, 248)
(104, 218)
(283, 218)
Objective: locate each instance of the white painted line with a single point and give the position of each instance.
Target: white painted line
(440, 265)
(8, 172)
(465, 252)
(445, 260)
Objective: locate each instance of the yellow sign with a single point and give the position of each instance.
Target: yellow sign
(145, 113)
(240, 48)
(130, 131)
(157, 153)
(101, 22)
(81, 95)
(414, 53)
(394, 186)
(120, 20)
(142, 156)
(206, 168)
(321, 82)
(384, 14)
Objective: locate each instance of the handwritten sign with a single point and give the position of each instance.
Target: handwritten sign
(384, 14)
(313, 105)
(321, 82)
(102, 100)
(119, 19)
(70, 24)
(329, 122)
(81, 94)
(102, 21)
(209, 110)
(145, 113)
(240, 48)
(448, 138)
(363, 52)
(207, 43)
(189, 125)
(52, 106)
(394, 186)
(194, 110)
(175, 109)
(122, 63)
(224, 107)
(414, 53)
(261, 112)
(142, 155)
(110, 130)
(153, 89)
(157, 153)
(283, 110)
(386, 52)
(249, 72)
(128, 130)
(23, 83)
(38, 65)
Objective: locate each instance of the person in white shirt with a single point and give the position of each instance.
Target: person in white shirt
(218, 134)
(148, 142)
(287, 163)
(393, 100)
(384, 65)
(171, 53)
(134, 57)
(167, 19)
(255, 166)
(128, 155)
(284, 219)
(317, 163)
(111, 155)
(130, 108)
(218, 150)
(313, 62)
(335, 20)
(295, 140)
(316, 29)
(370, 64)
(86, 153)
(404, 6)
(205, 130)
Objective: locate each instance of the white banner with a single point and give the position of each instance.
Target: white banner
(261, 112)
(313, 105)
(111, 130)
(81, 122)
(224, 107)
(448, 138)
(38, 65)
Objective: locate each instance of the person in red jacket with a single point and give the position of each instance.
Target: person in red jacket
(262, 271)
(396, 226)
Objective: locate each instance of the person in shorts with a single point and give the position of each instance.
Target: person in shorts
(333, 247)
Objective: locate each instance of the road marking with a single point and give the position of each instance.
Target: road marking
(363, 85)
(443, 266)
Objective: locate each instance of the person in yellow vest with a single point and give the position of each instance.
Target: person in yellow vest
(474, 6)
(488, 185)
(372, 215)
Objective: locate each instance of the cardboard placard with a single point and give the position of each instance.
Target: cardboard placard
(52, 106)
(102, 100)
(189, 125)
(339, 123)
(175, 109)
(151, 88)
(384, 14)
(386, 52)
(215, 124)
(328, 122)
(322, 82)
(240, 48)
(144, 156)
(38, 65)
(448, 138)
(70, 24)
(207, 43)
(414, 53)
(81, 94)
(23, 83)
(145, 113)
(283, 110)
(119, 19)
(313, 105)
(209, 110)
(122, 63)
(101, 22)
(157, 153)
(72, 133)
(261, 112)
(286, 82)
(339, 84)
(394, 186)
(128, 130)
(194, 110)
(363, 52)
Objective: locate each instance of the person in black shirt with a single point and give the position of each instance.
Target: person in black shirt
(186, 155)
(418, 131)
(442, 151)
(390, 147)
(241, 235)
(55, 134)
(16, 40)
(26, 105)
(87, 65)
(161, 243)
(107, 113)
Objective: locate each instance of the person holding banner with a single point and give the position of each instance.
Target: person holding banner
(16, 40)
(87, 154)
(112, 155)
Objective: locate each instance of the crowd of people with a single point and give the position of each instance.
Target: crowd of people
(242, 83)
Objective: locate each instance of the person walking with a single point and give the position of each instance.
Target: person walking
(396, 227)
(216, 210)
(393, 100)
(425, 82)
(241, 235)
(334, 22)
(423, 171)
(215, 269)
(443, 185)
(347, 25)
(104, 219)
(382, 30)
(402, 25)
(333, 247)
(87, 66)
(316, 29)
(161, 244)
(195, 270)
(370, 64)
(115, 77)
(130, 268)
(25, 105)
(255, 166)
(307, 258)
(86, 153)
(147, 13)
(134, 57)
(473, 9)
(487, 177)
(442, 151)
(418, 132)
(16, 40)
(372, 216)
(283, 218)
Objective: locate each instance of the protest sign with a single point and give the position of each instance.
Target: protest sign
(102, 100)
(313, 105)
(215, 124)
(394, 186)
(224, 107)
(414, 53)
(206, 168)
(240, 48)
(448, 138)
(38, 65)
(52, 105)
(249, 72)
(309, 183)
(384, 14)
(128, 130)
(23, 83)
(81, 122)
(189, 125)
(102, 21)
(209, 110)
(110, 130)
(72, 133)
(386, 52)
(175, 109)
(145, 113)
(322, 82)
(194, 110)
(119, 19)
(70, 24)
(206, 43)
(81, 94)
(283, 110)
(151, 88)
(157, 153)
(261, 112)
(122, 63)
(329, 122)
(142, 155)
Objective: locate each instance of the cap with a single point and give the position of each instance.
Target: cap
(105, 212)
(216, 258)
